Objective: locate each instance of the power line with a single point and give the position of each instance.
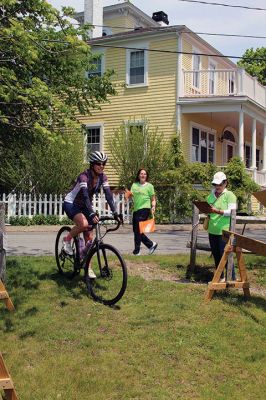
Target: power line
(181, 52)
(228, 34)
(182, 31)
(224, 5)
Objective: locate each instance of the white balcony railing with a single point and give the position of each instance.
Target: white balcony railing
(223, 82)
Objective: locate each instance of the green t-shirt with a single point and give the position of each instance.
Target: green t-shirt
(142, 195)
(218, 222)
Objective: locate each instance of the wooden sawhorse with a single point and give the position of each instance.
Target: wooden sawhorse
(6, 383)
(235, 243)
(5, 297)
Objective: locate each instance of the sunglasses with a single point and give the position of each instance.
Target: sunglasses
(217, 184)
(99, 164)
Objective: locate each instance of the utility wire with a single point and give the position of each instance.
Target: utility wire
(181, 52)
(181, 31)
(224, 5)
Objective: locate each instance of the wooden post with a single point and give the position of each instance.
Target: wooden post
(2, 243)
(193, 248)
(6, 383)
(3, 292)
(230, 262)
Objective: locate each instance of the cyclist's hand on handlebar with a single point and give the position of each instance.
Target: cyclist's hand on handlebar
(94, 218)
(118, 217)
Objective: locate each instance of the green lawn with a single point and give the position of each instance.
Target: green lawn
(160, 342)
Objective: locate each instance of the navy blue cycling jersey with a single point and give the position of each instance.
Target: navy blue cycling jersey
(82, 191)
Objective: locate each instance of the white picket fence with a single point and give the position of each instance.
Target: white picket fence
(28, 205)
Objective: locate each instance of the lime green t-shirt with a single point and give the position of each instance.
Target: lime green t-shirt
(218, 222)
(142, 195)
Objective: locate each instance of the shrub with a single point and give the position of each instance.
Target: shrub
(39, 220)
(23, 221)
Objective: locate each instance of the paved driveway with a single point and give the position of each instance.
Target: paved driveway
(172, 239)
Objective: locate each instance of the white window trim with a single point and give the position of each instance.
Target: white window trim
(206, 129)
(96, 125)
(141, 46)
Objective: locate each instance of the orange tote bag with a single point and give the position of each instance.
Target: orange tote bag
(147, 226)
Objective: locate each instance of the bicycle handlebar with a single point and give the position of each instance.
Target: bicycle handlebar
(118, 222)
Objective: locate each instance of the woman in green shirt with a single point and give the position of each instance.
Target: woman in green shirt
(222, 202)
(144, 203)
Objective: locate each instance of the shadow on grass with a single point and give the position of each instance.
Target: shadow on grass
(201, 273)
(243, 303)
(26, 278)
(71, 283)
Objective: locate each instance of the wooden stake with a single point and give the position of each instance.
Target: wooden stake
(215, 284)
(6, 383)
(5, 297)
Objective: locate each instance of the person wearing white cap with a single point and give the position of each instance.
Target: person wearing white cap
(222, 202)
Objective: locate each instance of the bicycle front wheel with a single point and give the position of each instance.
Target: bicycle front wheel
(66, 263)
(111, 274)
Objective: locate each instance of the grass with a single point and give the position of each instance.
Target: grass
(160, 342)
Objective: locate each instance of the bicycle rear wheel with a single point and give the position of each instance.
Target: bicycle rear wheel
(111, 274)
(66, 264)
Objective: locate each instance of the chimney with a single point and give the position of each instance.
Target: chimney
(93, 14)
(161, 18)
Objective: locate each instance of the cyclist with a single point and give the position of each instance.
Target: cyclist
(77, 202)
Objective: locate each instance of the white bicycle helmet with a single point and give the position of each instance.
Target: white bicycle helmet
(98, 156)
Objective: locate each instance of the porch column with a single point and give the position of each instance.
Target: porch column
(178, 117)
(241, 135)
(254, 134)
(264, 150)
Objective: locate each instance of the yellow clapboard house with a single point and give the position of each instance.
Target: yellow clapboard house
(173, 78)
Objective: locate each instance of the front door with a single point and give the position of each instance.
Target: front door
(229, 151)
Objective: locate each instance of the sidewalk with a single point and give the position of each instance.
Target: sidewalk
(127, 228)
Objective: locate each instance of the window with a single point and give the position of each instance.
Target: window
(135, 128)
(136, 67)
(227, 135)
(258, 159)
(196, 68)
(203, 145)
(248, 156)
(92, 140)
(97, 67)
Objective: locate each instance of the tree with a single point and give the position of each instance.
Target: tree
(240, 182)
(43, 80)
(254, 66)
(134, 146)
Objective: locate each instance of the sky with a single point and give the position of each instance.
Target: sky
(205, 18)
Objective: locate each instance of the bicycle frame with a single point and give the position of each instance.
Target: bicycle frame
(97, 241)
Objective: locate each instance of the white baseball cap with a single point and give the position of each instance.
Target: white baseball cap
(218, 178)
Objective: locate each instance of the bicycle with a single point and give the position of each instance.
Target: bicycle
(105, 260)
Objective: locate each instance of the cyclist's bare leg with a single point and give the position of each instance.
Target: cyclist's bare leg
(81, 225)
(88, 235)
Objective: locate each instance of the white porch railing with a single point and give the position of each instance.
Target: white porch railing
(223, 82)
(258, 176)
(18, 205)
